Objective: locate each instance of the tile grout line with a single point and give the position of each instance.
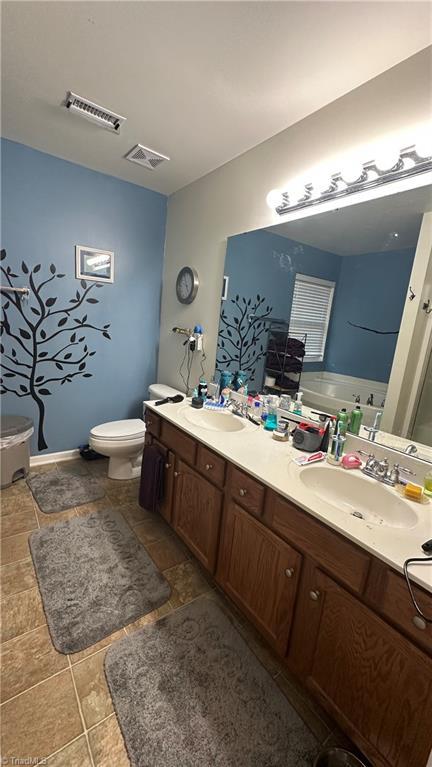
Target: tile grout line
(18, 636)
(69, 743)
(22, 532)
(83, 722)
(57, 673)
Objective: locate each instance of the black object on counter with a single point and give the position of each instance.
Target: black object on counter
(176, 398)
(308, 439)
(197, 402)
(326, 438)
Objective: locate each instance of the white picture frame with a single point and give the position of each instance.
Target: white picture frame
(94, 264)
(225, 283)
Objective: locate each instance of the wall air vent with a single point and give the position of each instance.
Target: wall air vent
(91, 111)
(146, 157)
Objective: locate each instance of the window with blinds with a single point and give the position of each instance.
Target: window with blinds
(310, 314)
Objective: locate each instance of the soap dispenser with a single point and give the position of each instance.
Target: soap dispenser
(297, 406)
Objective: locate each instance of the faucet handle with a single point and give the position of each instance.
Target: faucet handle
(402, 468)
(371, 461)
(395, 473)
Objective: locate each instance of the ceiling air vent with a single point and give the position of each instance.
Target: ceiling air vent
(146, 157)
(94, 112)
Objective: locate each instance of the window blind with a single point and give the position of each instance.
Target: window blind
(310, 314)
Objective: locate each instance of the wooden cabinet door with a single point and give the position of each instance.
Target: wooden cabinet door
(260, 573)
(165, 507)
(373, 680)
(197, 514)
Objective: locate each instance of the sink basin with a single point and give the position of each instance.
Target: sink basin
(359, 496)
(220, 421)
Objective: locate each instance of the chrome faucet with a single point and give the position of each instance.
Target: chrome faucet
(238, 408)
(373, 430)
(411, 449)
(381, 471)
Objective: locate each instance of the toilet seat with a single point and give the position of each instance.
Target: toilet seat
(118, 431)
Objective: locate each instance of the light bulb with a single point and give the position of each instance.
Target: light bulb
(423, 147)
(352, 172)
(387, 158)
(320, 185)
(372, 175)
(408, 163)
(274, 198)
(296, 192)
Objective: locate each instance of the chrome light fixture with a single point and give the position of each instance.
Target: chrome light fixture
(389, 165)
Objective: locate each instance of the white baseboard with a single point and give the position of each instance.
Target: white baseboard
(63, 455)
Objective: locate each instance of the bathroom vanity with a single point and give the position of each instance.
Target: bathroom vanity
(324, 588)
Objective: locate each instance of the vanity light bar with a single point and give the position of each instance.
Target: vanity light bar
(354, 178)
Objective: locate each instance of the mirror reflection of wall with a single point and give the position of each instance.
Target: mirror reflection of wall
(338, 280)
(422, 430)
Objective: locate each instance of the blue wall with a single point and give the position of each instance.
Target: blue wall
(370, 291)
(48, 207)
(266, 264)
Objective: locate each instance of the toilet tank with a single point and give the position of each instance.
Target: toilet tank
(160, 391)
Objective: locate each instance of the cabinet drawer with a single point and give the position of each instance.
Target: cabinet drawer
(247, 492)
(396, 605)
(211, 465)
(182, 445)
(152, 422)
(338, 556)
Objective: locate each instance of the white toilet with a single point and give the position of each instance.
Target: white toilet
(123, 441)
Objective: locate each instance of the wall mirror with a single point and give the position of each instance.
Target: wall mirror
(339, 305)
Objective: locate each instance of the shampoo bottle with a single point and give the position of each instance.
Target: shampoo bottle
(355, 421)
(343, 421)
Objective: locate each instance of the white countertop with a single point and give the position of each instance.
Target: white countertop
(256, 452)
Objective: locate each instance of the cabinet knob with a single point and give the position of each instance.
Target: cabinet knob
(242, 492)
(419, 622)
(149, 421)
(314, 595)
(176, 473)
(208, 466)
(289, 572)
(167, 465)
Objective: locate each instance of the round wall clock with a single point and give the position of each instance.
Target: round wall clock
(187, 284)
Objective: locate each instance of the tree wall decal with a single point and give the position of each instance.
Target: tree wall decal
(240, 339)
(34, 359)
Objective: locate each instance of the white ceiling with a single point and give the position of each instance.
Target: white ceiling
(388, 223)
(201, 82)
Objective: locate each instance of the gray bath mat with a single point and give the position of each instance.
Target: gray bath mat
(188, 691)
(94, 576)
(60, 490)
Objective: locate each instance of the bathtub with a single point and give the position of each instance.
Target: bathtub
(328, 392)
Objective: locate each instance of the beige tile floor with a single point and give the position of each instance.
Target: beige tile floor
(58, 707)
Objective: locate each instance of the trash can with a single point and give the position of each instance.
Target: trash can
(15, 433)
(337, 757)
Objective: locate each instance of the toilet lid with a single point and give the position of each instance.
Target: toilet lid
(117, 430)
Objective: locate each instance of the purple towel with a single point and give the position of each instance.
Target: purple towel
(152, 478)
